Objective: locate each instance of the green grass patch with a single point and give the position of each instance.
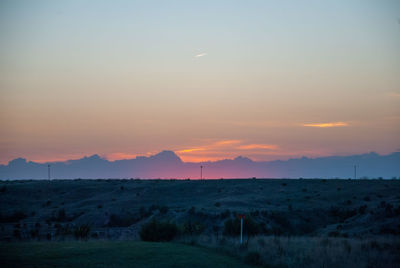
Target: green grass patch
(111, 254)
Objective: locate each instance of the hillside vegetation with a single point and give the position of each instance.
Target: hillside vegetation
(289, 223)
(116, 209)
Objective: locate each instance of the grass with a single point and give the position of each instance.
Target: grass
(111, 254)
(308, 252)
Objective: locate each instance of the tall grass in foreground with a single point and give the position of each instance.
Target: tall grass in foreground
(271, 251)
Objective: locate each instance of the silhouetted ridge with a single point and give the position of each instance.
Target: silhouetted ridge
(167, 156)
(243, 159)
(17, 161)
(167, 164)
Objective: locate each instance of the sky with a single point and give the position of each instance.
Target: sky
(207, 79)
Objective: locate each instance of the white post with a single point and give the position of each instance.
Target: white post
(241, 230)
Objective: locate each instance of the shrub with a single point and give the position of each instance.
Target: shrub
(154, 207)
(192, 228)
(333, 234)
(15, 217)
(17, 233)
(144, 213)
(156, 231)
(282, 220)
(34, 233)
(163, 210)
(342, 214)
(255, 213)
(250, 227)
(82, 232)
(192, 211)
(253, 258)
(61, 215)
(225, 214)
(362, 209)
(121, 220)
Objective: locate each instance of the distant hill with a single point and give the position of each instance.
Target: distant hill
(167, 164)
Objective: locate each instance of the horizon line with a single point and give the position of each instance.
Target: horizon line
(209, 161)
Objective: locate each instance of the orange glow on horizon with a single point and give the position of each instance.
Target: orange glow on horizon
(120, 156)
(259, 146)
(325, 125)
(190, 150)
(229, 149)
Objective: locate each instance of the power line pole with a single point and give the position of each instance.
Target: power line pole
(201, 172)
(48, 172)
(355, 172)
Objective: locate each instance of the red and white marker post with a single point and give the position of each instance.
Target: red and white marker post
(241, 217)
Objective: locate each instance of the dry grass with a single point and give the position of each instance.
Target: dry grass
(271, 251)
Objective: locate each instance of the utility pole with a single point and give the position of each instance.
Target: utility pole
(241, 217)
(355, 172)
(201, 172)
(241, 230)
(48, 171)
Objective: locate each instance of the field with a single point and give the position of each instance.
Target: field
(289, 223)
(111, 254)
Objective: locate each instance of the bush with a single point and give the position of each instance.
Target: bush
(225, 214)
(362, 209)
(82, 231)
(282, 220)
(333, 234)
(192, 211)
(17, 234)
(121, 220)
(156, 231)
(61, 215)
(163, 210)
(253, 258)
(250, 227)
(15, 217)
(144, 213)
(192, 228)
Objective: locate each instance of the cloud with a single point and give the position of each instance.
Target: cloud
(258, 146)
(394, 94)
(200, 55)
(227, 142)
(325, 125)
(190, 150)
(224, 149)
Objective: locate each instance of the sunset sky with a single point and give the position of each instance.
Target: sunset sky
(207, 79)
